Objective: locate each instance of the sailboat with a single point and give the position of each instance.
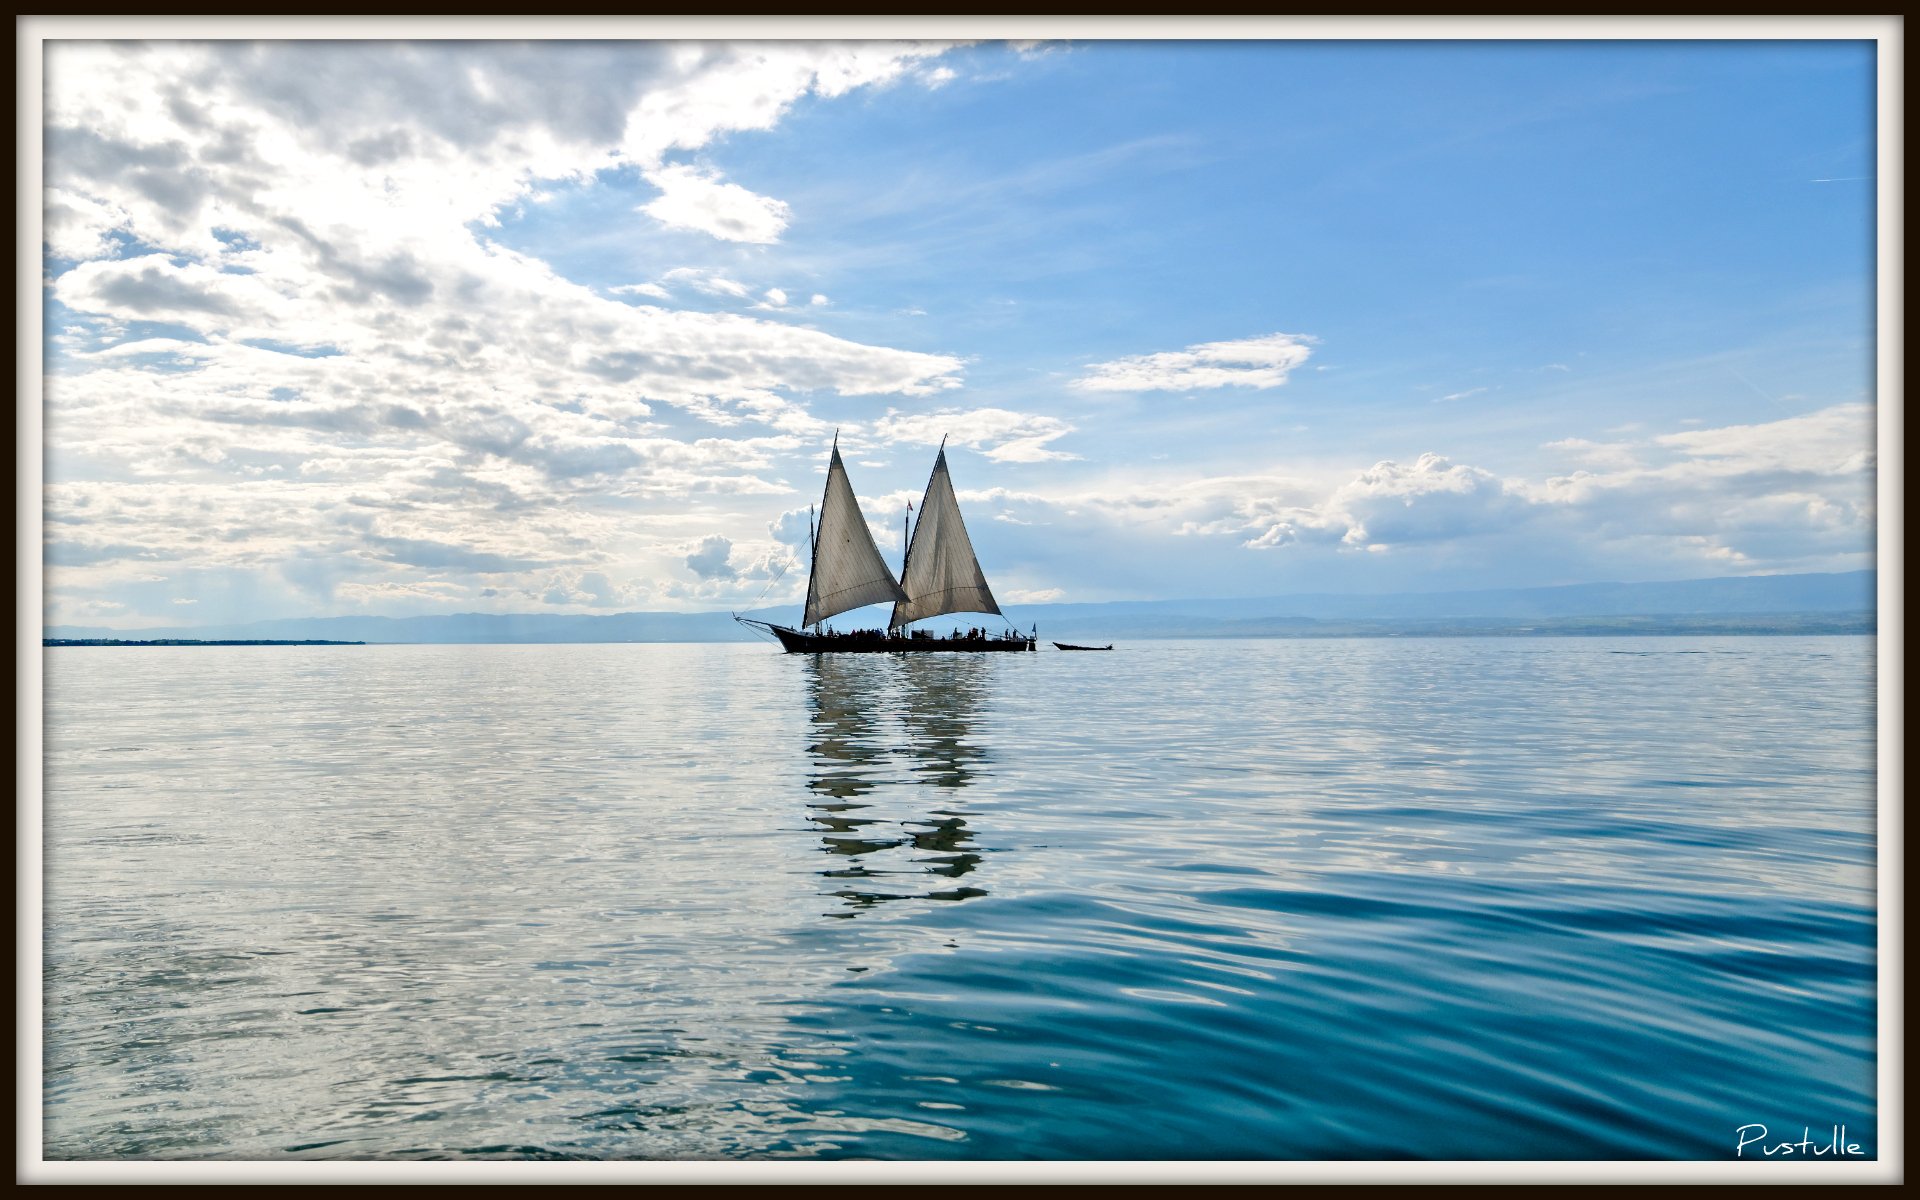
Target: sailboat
(940, 575)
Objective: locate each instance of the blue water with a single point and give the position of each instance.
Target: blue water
(1533, 898)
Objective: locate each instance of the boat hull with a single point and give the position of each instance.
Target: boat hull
(797, 642)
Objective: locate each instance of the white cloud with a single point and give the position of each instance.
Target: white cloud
(1605, 455)
(776, 297)
(1833, 441)
(1387, 504)
(411, 595)
(154, 288)
(361, 397)
(1431, 500)
(1262, 362)
(790, 528)
(76, 226)
(593, 589)
(1784, 495)
(642, 289)
(1793, 495)
(746, 85)
(999, 434)
(710, 282)
(708, 558)
(691, 198)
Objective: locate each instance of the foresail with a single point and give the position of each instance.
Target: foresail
(848, 571)
(942, 574)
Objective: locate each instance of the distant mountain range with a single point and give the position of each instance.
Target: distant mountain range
(1756, 604)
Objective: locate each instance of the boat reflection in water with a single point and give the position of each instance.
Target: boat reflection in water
(892, 741)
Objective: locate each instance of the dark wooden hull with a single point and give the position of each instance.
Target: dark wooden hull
(797, 642)
(1065, 646)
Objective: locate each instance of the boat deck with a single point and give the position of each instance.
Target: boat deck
(797, 642)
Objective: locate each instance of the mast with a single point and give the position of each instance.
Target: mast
(813, 554)
(906, 555)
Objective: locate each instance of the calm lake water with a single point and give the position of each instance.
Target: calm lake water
(1554, 898)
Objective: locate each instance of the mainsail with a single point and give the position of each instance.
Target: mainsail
(941, 575)
(848, 571)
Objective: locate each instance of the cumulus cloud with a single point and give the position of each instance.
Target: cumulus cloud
(154, 288)
(340, 380)
(708, 558)
(1262, 362)
(77, 226)
(586, 589)
(1790, 494)
(1433, 499)
(790, 528)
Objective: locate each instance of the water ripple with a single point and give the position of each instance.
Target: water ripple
(1581, 898)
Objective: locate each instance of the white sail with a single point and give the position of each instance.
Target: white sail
(848, 571)
(942, 575)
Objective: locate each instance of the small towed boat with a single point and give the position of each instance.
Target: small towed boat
(1065, 646)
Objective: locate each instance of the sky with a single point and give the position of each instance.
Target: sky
(404, 328)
